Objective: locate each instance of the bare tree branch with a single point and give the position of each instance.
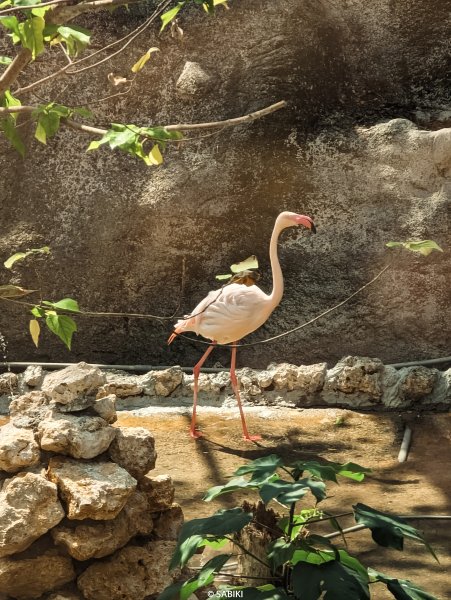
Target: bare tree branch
(13, 71)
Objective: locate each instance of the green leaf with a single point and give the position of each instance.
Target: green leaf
(160, 133)
(328, 470)
(288, 492)
(388, 530)
(170, 15)
(11, 23)
(280, 551)
(298, 521)
(62, 326)
(238, 483)
(76, 38)
(37, 311)
(248, 263)
(424, 247)
(222, 277)
(143, 60)
(13, 291)
(328, 581)
(261, 468)
(5, 60)
(193, 532)
(21, 255)
(64, 304)
(31, 34)
(8, 126)
(402, 589)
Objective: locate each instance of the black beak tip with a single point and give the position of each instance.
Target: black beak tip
(313, 228)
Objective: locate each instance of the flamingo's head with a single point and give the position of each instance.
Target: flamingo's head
(289, 219)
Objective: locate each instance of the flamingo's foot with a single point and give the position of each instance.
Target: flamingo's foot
(194, 433)
(252, 438)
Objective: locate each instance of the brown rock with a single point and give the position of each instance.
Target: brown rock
(159, 490)
(33, 375)
(417, 382)
(77, 436)
(18, 448)
(8, 383)
(96, 540)
(167, 524)
(131, 574)
(95, 490)
(166, 381)
(72, 382)
(29, 578)
(355, 374)
(29, 507)
(134, 449)
(105, 407)
(306, 378)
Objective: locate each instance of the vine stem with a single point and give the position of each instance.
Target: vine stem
(246, 551)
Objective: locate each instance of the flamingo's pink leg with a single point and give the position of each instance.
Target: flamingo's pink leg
(196, 371)
(235, 387)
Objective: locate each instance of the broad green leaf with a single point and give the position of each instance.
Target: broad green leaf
(64, 304)
(21, 255)
(388, 530)
(13, 291)
(76, 38)
(5, 60)
(205, 577)
(288, 492)
(62, 326)
(328, 581)
(216, 544)
(298, 521)
(170, 15)
(312, 556)
(248, 263)
(8, 126)
(280, 551)
(12, 23)
(328, 470)
(83, 112)
(402, 589)
(40, 134)
(155, 155)
(261, 468)
(424, 247)
(35, 330)
(222, 523)
(160, 133)
(32, 35)
(233, 485)
(37, 311)
(143, 60)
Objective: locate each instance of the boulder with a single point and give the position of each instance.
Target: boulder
(29, 507)
(29, 578)
(33, 376)
(72, 382)
(30, 409)
(417, 382)
(360, 376)
(105, 407)
(134, 449)
(132, 573)
(308, 379)
(8, 383)
(95, 490)
(168, 523)
(80, 437)
(122, 388)
(159, 490)
(96, 540)
(18, 448)
(167, 380)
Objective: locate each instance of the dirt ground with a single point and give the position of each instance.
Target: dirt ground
(420, 486)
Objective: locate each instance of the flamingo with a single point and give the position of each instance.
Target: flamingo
(227, 315)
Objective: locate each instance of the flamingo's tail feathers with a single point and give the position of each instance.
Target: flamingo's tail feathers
(172, 337)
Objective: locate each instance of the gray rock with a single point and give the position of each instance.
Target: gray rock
(356, 381)
(132, 573)
(166, 381)
(121, 386)
(30, 409)
(33, 376)
(77, 436)
(18, 448)
(133, 448)
(72, 382)
(95, 490)
(8, 383)
(308, 379)
(106, 408)
(29, 507)
(193, 81)
(29, 578)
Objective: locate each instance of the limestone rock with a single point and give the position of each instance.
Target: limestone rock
(193, 80)
(29, 578)
(96, 540)
(64, 595)
(168, 523)
(159, 490)
(166, 381)
(306, 378)
(105, 407)
(95, 490)
(29, 507)
(122, 387)
(33, 376)
(360, 376)
(80, 437)
(18, 448)
(30, 409)
(134, 449)
(8, 383)
(133, 573)
(68, 384)
(417, 382)
(77, 405)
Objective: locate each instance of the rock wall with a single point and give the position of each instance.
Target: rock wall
(361, 79)
(80, 513)
(354, 382)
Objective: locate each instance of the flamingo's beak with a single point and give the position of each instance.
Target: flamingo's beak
(313, 228)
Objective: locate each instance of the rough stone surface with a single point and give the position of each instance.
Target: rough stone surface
(193, 81)
(99, 539)
(33, 376)
(8, 383)
(168, 523)
(72, 382)
(105, 407)
(121, 386)
(165, 382)
(29, 578)
(417, 382)
(29, 410)
(77, 436)
(133, 448)
(308, 379)
(18, 448)
(29, 507)
(159, 489)
(359, 376)
(131, 574)
(95, 490)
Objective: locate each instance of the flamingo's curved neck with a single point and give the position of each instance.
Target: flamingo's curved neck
(277, 278)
